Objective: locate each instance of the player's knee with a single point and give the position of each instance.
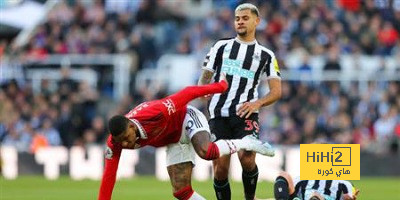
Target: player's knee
(284, 175)
(202, 152)
(248, 162)
(207, 150)
(281, 188)
(221, 172)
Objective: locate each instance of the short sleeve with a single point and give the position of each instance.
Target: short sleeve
(209, 61)
(272, 68)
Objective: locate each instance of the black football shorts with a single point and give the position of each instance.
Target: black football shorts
(234, 127)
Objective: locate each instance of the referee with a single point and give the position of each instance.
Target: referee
(234, 114)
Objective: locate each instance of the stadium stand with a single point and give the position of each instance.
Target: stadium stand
(309, 37)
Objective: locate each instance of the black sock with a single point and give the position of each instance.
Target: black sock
(281, 188)
(222, 189)
(250, 183)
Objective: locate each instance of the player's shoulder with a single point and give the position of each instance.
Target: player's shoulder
(112, 149)
(266, 49)
(222, 41)
(225, 39)
(348, 184)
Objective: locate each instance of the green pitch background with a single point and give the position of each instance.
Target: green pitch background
(148, 188)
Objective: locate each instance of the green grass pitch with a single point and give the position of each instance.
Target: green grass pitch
(148, 188)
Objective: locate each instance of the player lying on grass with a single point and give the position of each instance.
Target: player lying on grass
(183, 129)
(285, 188)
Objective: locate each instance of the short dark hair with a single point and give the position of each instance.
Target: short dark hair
(117, 124)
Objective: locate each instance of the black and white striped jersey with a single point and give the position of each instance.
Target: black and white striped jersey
(244, 63)
(330, 189)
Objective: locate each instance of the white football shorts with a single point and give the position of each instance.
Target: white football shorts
(183, 151)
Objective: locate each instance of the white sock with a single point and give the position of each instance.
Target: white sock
(196, 196)
(227, 147)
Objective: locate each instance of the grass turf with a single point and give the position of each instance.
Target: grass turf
(148, 188)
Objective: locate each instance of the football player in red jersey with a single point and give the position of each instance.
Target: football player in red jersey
(183, 129)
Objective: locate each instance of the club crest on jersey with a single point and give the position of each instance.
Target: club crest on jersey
(109, 153)
(170, 106)
(257, 56)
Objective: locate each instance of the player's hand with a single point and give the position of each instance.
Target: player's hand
(353, 197)
(248, 108)
(356, 193)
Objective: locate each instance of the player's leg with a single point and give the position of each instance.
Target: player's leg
(180, 161)
(249, 174)
(221, 182)
(222, 131)
(184, 96)
(180, 175)
(283, 186)
(243, 128)
(196, 128)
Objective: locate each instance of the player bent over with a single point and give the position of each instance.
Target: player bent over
(287, 189)
(183, 129)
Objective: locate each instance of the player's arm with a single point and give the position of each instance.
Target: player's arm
(352, 191)
(205, 77)
(209, 66)
(208, 69)
(110, 171)
(274, 93)
(274, 83)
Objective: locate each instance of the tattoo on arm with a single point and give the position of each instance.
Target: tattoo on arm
(205, 77)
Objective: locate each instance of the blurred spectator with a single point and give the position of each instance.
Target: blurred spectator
(99, 130)
(332, 60)
(52, 135)
(388, 37)
(66, 85)
(384, 129)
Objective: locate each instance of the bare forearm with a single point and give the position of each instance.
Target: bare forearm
(274, 94)
(205, 77)
(269, 99)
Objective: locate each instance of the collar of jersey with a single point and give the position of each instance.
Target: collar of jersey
(243, 42)
(143, 134)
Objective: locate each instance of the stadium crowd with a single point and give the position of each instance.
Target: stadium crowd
(71, 113)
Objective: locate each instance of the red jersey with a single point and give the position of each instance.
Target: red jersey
(159, 123)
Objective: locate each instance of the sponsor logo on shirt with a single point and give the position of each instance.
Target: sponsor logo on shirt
(170, 106)
(234, 67)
